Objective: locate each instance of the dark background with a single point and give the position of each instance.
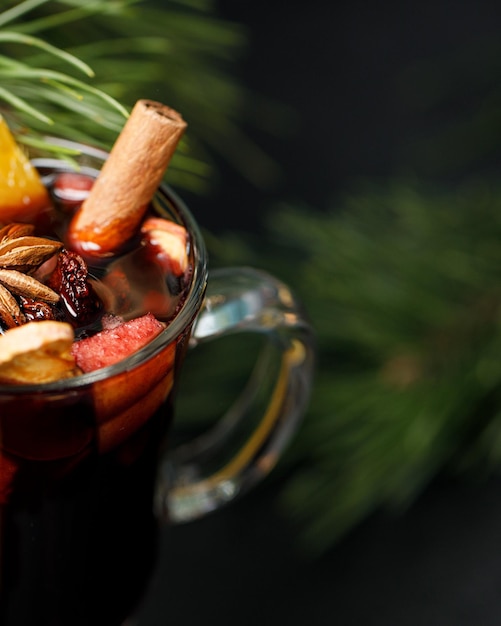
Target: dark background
(364, 90)
(373, 90)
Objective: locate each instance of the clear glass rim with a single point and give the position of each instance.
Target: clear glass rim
(176, 327)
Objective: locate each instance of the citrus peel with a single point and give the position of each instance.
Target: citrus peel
(22, 193)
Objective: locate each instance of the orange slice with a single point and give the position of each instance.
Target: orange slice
(22, 193)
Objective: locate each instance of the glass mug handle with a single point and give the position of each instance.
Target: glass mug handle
(211, 470)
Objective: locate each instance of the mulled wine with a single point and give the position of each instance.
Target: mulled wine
(103, 285)
(78, 460)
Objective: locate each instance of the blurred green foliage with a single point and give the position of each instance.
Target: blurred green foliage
(401, 284)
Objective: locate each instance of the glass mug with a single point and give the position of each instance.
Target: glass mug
(85, 471)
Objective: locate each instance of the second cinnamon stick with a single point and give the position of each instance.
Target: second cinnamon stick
(128, 179)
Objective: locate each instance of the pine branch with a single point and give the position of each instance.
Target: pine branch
(84, 64)
(402, 288)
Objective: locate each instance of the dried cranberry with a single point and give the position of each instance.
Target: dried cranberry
(71, 280)
(37, 310)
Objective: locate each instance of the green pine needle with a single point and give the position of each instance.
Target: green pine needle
(46, 47)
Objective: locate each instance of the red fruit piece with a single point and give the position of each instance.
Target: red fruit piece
(36, 310)
(115, 344)
(71, 188)
(169, 242)
(70, 279)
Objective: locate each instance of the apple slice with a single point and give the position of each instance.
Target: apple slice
(72, 188)
(169, 243)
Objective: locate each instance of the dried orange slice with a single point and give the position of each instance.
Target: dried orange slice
(38, 352)
(22, 193)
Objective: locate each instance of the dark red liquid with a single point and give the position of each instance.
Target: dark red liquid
(78, 534)
(78, 548)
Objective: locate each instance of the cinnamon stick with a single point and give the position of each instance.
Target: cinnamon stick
(128, 179)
